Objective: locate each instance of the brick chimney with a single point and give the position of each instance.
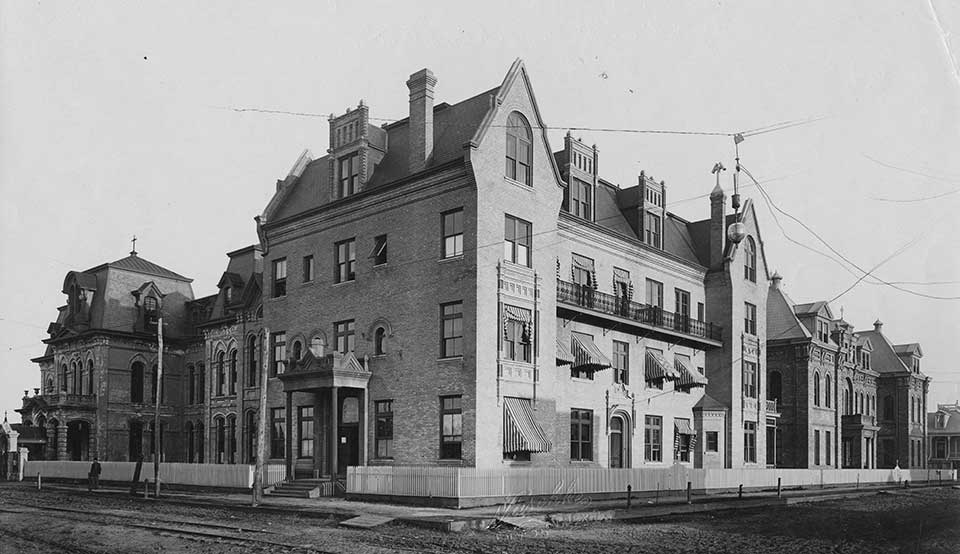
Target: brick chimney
(421, 86)
(775, 280)
(718, 227)
(878, 326)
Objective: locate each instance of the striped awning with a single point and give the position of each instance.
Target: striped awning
(689, 377)
(586, 355)
(520, 430)
(564, 356)
(521, 316)
(655, 367)
(683, 427)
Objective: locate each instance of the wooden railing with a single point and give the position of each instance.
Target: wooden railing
(654, 316)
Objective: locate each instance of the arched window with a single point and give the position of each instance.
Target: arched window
(221, 439)
(233, 372)
(519, 149)
(828, 389)
(816, 389)
(201, 442)
(848, 398)
(252, 361)
(63, 377)
(90, 389)
(250, 432)
(297, 350)
(774, 386)
(750, 260)
(221, 374)
(192, 386)
(378, 336)
(50, 386)
(72, 379)
(232, 439)
(201, 383)
(136, 383)
(191, 445)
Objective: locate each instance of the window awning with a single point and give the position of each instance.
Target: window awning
(521, 316)
(586, 355)
(520, 430)
(655, 367)
(689, 377)
(683, 427)
(564, 356)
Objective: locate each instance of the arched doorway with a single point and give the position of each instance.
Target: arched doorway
(619, 442)
(78, 440)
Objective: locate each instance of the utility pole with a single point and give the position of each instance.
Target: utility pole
(262, 423)
(156, 415)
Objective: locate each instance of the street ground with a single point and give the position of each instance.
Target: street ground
(69, 520)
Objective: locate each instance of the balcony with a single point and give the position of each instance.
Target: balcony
(772, 410)
(858, 420)
(64, 400)
(584, 300)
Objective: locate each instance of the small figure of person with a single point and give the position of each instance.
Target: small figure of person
(93, 479)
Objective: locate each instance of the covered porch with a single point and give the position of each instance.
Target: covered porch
(331, 426)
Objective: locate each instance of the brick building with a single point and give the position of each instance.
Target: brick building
(444, 290)
(846, 397)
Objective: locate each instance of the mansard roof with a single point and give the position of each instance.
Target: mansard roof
(884, 358)
(782, 322)
(135, 263)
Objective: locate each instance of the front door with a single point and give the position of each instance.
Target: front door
(616, 442)
(348, 449)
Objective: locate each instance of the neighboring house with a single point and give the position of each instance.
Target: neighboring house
(943, 428)
(820, 374)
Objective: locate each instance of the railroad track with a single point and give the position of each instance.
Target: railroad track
(193, 530)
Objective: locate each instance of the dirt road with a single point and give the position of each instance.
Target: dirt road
(916, 520)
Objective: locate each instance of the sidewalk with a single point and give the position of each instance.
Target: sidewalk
(534, 512)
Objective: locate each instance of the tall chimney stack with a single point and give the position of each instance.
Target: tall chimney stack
(718, 225)
(421, 86)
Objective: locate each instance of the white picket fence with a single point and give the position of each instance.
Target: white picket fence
(451, 482)
(237, 476)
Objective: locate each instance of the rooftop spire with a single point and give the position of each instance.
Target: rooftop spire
(133, 250)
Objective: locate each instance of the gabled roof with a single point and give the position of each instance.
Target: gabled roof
(709, 403)
(231, 279)
(912, 348)
(782, 322)
(819, 307)
(137, 264)
(884, 358)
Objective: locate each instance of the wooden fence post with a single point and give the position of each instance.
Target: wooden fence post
(629, 495)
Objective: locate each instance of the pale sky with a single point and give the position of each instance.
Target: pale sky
(113, 122)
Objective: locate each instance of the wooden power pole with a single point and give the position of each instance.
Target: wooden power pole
(156, 414)
(262, 423)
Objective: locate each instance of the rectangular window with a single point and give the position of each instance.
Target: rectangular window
(517, 238)
(681, 302)
(305, 431)
(683, 441)
(750, 441)
(345, 253)
(277, 432)
(713, 441)
(827, 447)
(583, 270)
(654, 293)
(379, 253)
(653, 438)
(516, 339)
(652, 229)
(279, 277)
(451, 225)
(701, 312)
(750, 318)
(451, 329)
(621, 362)
(581, 435)
(750, 379)
(279, 346)
(344, 335)
(383, 429)
(816, 447)
(580, 199)
(307, 269)
(349, 175)
(451, 427)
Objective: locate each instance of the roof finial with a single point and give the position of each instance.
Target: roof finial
(133, 251)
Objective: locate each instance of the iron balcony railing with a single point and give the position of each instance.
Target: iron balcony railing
(654, 316)
(772, 407)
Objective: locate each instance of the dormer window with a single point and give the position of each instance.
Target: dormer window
(750, 260)
(823, 331)
(150, 305)
(348, 174)
(579, 199)
(916, 365)
(519, 149)
(228, 294)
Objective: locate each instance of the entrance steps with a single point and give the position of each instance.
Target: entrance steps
(303, 488)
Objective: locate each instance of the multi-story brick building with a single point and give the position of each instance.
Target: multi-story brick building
(827, 380)
(943, 428)
(442, 290)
